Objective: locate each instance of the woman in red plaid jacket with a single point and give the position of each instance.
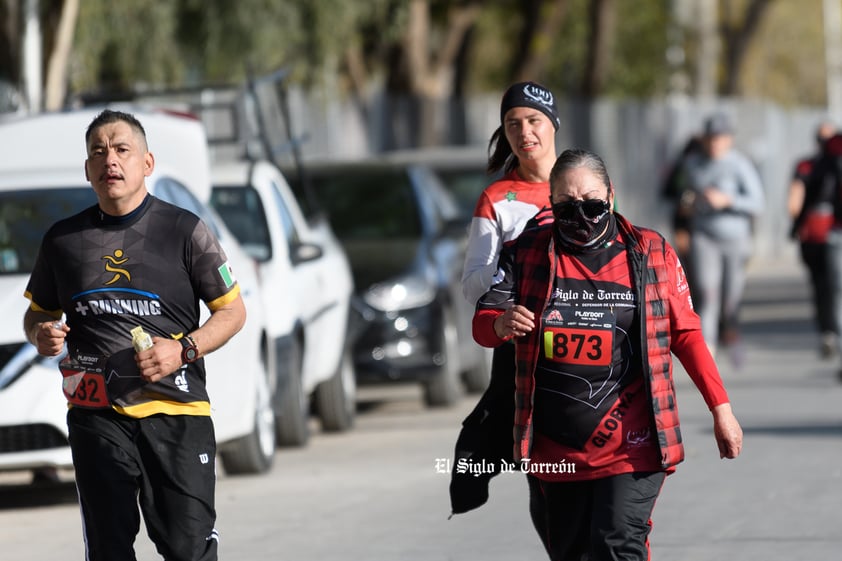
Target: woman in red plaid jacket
(596, 306)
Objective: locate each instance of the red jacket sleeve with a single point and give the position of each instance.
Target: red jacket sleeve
(692, 351)
(483, 327)
(688, 344)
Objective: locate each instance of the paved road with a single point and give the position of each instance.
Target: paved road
(375, 495)
(781, 499)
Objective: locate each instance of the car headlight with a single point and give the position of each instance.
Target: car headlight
(402, 294)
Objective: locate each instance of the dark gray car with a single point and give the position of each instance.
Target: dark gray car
(405, 237)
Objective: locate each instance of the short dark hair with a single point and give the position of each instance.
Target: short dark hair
(108, 116)
(578, 157)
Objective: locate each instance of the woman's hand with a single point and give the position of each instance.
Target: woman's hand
(716, 199)
(517, 321)
(727, 431)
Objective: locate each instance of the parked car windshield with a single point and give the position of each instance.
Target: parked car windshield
(368, 203)
(242, 211)
(25, 216)
(466, 185)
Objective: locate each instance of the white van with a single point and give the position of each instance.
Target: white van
(307, 290)
(42, 179)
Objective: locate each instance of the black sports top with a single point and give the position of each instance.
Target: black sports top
(147, 269)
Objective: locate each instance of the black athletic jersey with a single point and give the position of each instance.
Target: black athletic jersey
(586, 354)
(591, 409)
(109, 275)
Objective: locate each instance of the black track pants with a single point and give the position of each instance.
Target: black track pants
(165, 463)
(601, 520)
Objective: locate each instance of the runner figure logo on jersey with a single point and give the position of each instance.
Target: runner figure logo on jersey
(111, 266)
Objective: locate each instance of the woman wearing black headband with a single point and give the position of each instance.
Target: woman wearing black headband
(523, 148)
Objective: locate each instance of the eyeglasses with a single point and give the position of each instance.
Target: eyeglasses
(592, 209)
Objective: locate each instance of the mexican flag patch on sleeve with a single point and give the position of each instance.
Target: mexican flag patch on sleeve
(227, 274)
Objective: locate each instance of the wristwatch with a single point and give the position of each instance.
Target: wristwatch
(189, 350)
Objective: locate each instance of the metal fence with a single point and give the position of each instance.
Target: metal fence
(637, 139)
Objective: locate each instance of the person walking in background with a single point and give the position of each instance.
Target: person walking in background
(596, 306)
(675, 189)
(128, 266)
(725, 196)
(826, 174)
(810, 202)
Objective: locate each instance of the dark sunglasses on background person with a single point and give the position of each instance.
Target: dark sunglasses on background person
(592, 209)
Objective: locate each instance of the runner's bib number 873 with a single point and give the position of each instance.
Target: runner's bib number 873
(585, 339)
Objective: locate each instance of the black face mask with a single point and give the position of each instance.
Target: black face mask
(581, 222)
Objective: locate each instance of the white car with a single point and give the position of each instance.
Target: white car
(307, 288)
(42, 180)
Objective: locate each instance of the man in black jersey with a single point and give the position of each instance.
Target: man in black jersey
(138, 421)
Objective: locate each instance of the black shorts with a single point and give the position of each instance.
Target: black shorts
(164, 462)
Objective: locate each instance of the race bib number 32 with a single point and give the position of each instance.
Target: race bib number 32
(83, 381)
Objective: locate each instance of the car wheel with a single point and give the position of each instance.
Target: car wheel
(336, 398)
(478, 376)
(254, 452)
(445, 386)
(293, 415)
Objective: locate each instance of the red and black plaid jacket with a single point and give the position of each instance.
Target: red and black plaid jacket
(535, 264)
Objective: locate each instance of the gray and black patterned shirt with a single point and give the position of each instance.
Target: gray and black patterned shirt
(150, 269)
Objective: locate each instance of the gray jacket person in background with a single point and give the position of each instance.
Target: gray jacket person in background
(724, 196)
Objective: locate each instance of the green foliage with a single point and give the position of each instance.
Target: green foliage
(334, 25)
(255, 35)
(637, 61)
(120, 44)
(786, 61)
(566, 68)
(170, 43)
(493, 46)
(167, 43)
(637, 68)
(639, 65)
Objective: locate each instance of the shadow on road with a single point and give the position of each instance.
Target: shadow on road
(385, 397)
(777, 314)
(822, 429)
(34, 495)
